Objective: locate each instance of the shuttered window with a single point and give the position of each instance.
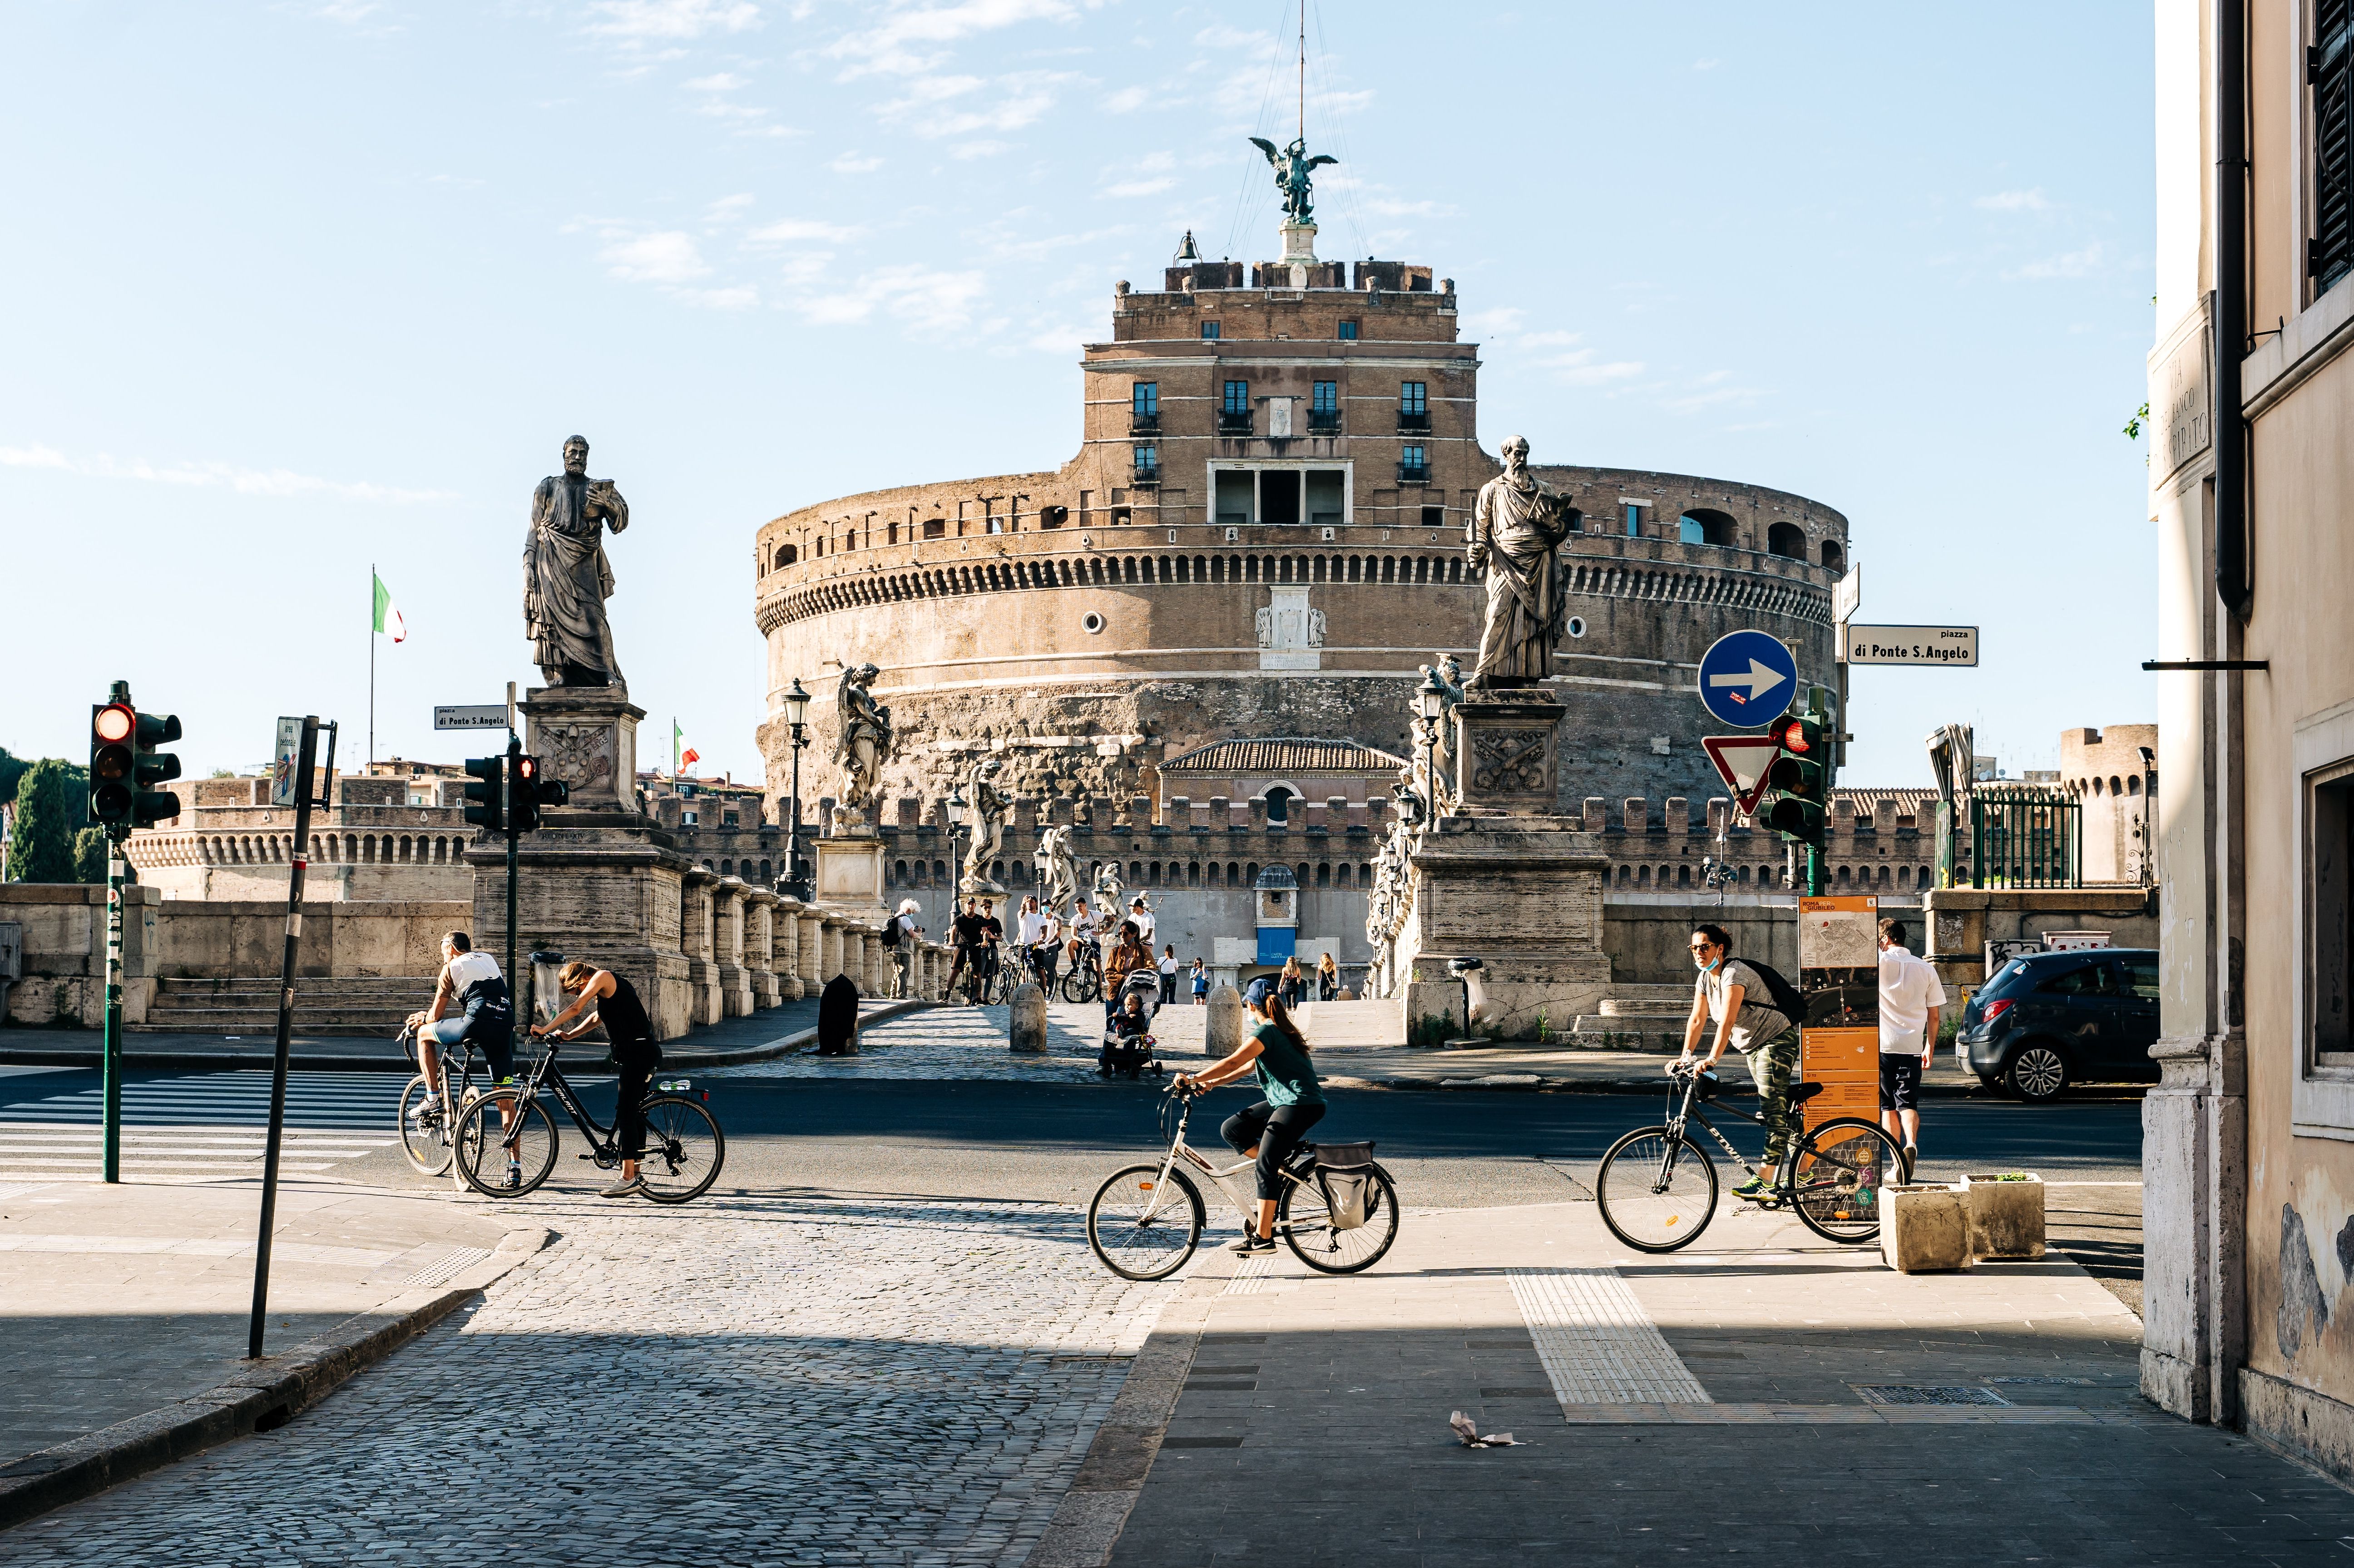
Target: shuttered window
(2331, 68)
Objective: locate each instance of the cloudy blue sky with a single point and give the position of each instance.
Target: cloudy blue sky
(297, 287)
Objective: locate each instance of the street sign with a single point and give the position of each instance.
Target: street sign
(481, 716)
(1955, 645)
(1846, 593)
(1744, 762)
(283, 782)
(1747, 679)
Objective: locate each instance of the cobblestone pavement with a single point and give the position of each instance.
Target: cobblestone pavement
(741, 1382)
(950, 1043)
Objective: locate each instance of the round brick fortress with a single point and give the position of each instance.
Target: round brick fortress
(1261, 536)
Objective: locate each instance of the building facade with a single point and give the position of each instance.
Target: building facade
(1262, 536)
(2249, 1142)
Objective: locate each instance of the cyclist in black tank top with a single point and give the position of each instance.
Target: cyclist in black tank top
(634, 1053)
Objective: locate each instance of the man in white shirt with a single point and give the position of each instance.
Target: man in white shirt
(1143, 918)
(1910, 997)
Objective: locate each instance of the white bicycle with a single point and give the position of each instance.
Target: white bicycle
(1338, 1211)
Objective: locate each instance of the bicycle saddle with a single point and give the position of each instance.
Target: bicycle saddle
(1801, 1093)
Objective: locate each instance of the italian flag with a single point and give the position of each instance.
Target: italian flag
(388, 614)
(680, 751)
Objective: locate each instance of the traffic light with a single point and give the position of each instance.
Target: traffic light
(532, 791)
(1803, 776)
(486, 801)
(124, 761)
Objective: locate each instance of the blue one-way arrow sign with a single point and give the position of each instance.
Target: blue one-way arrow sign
(1747, 679)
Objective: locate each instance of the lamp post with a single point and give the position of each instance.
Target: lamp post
(1429, 701)
(797, 702)
(957, 810)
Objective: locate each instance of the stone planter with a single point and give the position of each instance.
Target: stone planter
(2006, 1217)
(1924, 1229)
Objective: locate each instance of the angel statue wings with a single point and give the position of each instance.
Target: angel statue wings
(1292, 166)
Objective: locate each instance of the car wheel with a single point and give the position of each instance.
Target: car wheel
(2037, 1073)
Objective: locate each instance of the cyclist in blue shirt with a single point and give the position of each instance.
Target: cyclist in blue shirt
(1292, 1102)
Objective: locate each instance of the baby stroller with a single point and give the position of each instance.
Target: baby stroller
(1128, 1042)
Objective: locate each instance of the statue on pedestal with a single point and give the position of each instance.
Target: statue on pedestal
(1112, 902)
(1515, 531)
(1058, 869)
(565, 577)
(986, 810)
(861, 742)
(1292, 167)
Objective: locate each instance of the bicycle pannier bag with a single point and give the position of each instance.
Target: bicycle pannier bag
(1345, 1172)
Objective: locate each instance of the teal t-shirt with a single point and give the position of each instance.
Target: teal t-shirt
(1285, 1076)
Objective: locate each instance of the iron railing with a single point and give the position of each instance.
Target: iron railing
(2026, 837)
(1140, 424)
(1324, 421)
(1414, 473)
(1412, 421)
(1233, 422)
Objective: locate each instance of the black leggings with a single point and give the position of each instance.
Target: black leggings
(637, 1060)
(1276, 1129)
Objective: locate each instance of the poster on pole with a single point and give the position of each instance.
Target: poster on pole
(284, 761)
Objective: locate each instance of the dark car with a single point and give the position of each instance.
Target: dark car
(2050, 1020)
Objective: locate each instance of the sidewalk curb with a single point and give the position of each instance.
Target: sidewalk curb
(1089, 1519)
(353, 1062)
(264, 1397)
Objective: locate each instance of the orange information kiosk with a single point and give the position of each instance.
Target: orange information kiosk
(1838, 975)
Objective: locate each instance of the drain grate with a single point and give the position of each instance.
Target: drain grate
(1925, 1394)
(2048, 1382)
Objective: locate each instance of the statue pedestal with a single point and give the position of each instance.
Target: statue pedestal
(1508, 752)
(1523, 895)
(613, 896)
(1298, 243)
(850, 873)
(587, 737)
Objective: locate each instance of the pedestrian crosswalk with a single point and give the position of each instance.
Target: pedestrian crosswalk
(202, 1127)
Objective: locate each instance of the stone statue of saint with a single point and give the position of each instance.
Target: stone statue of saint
(1449, 674)
(986, 809)
(1516, 528)
(565, 577)
(1058, 869)
(1111, 902)
(1292, 166)
(862, 739)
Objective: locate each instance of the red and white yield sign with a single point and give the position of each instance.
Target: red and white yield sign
(1744, 761)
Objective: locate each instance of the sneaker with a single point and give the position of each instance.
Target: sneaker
(628, 1187)
(514, 1177)
(1757, 1188)
(1912, 1158)
(1249, 1242)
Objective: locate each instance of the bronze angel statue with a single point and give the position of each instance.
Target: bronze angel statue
(1291, 166)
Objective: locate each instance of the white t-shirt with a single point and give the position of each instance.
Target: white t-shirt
(1143, 918)
(1909, 988)
(1084, 927)
(468, 968)
(1033, 928)
(1168, 963)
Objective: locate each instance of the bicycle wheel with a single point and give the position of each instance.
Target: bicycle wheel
(426, 1144)
(1140, 1229)
(1304, 1220)
(483, 1153)
(685, 1149)
(1656, 1191)
(1836, 1175)
(1083, 985)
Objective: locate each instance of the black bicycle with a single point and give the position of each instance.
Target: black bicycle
(1657, 1187)
(507, 1141)
(1085, 983)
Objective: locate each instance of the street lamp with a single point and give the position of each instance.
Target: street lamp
(797, 702)
(956, 808)
(1429, 703)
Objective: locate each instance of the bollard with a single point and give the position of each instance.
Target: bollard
(1222, 1031)
(1026, 1019)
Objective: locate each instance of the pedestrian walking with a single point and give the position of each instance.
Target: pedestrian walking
(1328, 978)
(1736, 999)
(899, 936)
(1294, 983)
(1201, 984)
(1168, 975)
(1910, 996)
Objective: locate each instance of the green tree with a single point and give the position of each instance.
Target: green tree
(52, 800)
(11, 770)
(89, 854)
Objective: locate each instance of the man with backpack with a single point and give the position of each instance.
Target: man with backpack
(1753, 1016)
(899, 934)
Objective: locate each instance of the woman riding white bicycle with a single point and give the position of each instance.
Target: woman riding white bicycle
(1293, 1102)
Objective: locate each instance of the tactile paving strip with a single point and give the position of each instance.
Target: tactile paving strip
(1595, 1342)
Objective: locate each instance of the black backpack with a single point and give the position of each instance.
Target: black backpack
(891, 932)
(1786, 997)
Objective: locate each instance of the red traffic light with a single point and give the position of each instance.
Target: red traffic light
(527, 767)
(115, 722)
(1795, 737)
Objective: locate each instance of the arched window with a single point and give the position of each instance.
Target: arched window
(898, 873)
(1788, 540)
(1625, 875)
(1279, 805)
(2133, 783)
(1193, 873)
(1643, 876)
(1250, 870)
(727, 868)
(1702, 526)
(1683, 876)
(765, 875)
(1325, 873)
(786, 555)
(1834, 557)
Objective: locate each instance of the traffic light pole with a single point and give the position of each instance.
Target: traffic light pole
(507, 783)
(113, 1155)
(300, 862)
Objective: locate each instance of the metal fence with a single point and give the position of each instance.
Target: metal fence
(2026, 837)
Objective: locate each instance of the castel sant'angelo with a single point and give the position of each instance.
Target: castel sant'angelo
(1262, 536)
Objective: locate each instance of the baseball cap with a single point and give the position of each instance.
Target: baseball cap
(1257, 992)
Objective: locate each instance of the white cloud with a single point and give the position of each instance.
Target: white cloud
(729, 207)
(1127, 100)
(918, 298)
(349, 12)
(981, 149)
(640, 21)
(1585, 374)
(2068, 264)
(741, 297)
(1390, 207)
(792, 230)
(1705, 65)
(724, 82)
(854, 164)
(1494, 320)
(891, 46)
(1010, 103)
(666, 256)
(2015, 201)
(1139, 188)
(712, 94)
(208, 474)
